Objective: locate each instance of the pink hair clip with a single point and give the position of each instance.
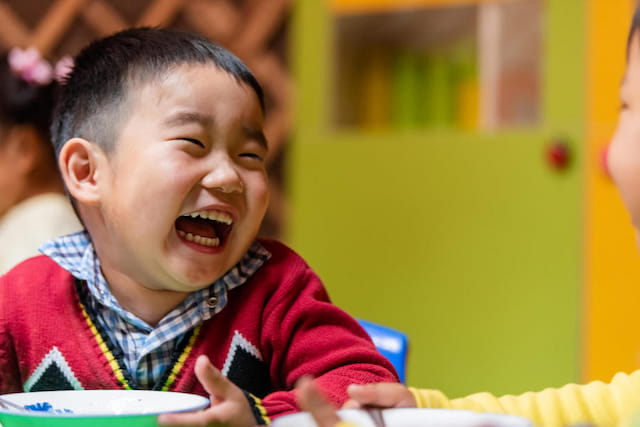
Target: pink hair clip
(63, 68)
(30, 66)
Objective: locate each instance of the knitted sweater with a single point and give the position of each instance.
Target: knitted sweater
(275, 328)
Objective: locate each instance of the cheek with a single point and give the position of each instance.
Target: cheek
(260, 195)
(620, 158)
(611, 160)
(624, 166)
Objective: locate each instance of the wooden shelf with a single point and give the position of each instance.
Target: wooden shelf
(470, 66)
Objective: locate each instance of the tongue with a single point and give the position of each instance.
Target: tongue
(196, 226)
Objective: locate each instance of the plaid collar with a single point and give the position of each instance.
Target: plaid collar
(76, 254)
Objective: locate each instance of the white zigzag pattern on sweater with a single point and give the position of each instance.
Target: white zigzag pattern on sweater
(54, 357)
(239, 341)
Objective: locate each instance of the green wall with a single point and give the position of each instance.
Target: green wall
(468, 242)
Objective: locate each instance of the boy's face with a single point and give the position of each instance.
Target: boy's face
(185, 190)
(624, 152)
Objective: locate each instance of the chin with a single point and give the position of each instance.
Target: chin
(197, 283)
(193, 280)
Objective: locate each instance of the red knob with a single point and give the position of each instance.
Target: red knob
(558, 154)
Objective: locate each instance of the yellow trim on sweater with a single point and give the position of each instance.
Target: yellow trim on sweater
(113, 362)
(261, 410)
(183, 356)
(598, 403)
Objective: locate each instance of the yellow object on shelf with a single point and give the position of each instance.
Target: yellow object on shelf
(375, 92)
(468, 102)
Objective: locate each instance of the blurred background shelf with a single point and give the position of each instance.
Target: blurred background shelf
(468, 66)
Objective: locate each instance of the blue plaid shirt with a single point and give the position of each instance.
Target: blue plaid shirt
(147, 350)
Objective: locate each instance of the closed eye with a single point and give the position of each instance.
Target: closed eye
(194, 141)
(252, 156)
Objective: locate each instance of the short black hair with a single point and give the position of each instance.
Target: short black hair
(92, 97)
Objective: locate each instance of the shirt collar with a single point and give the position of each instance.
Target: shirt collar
(73, 252)
(76, 254)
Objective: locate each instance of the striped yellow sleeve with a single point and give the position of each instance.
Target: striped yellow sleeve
(259, 412)
(602, 404)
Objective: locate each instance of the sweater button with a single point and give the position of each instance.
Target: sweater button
(212, 302)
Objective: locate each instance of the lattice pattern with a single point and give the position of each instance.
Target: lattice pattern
(253, 29)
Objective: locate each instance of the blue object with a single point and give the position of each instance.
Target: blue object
(391, 343)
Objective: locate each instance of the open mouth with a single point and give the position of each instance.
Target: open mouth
(208, 228)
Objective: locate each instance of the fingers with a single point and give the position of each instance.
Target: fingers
(352, 404)
(311, 399)
(215, 384)
(185, 419)
(381, 395)
(209, 417)
(229, 405)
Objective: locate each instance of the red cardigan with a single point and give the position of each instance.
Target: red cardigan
(275, 328)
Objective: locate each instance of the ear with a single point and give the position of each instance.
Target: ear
(80, 162)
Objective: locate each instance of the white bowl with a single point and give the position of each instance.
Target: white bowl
(413, 418)
(96, 408)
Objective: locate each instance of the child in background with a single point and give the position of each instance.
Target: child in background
(159, 140)
(601, 404)
(33, 207)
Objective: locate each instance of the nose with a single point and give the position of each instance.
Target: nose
(223, 176)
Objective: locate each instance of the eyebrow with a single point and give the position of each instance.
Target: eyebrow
(186, 117)
(256, 134)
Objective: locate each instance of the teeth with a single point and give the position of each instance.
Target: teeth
(212, 242)
(219, 216)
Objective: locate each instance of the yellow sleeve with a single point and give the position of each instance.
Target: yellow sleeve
(602, 404)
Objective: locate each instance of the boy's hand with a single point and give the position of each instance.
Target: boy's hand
(381, 395)
(311, 399)
(229, 406)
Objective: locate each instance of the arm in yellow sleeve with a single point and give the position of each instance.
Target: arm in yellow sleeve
(602, 404)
